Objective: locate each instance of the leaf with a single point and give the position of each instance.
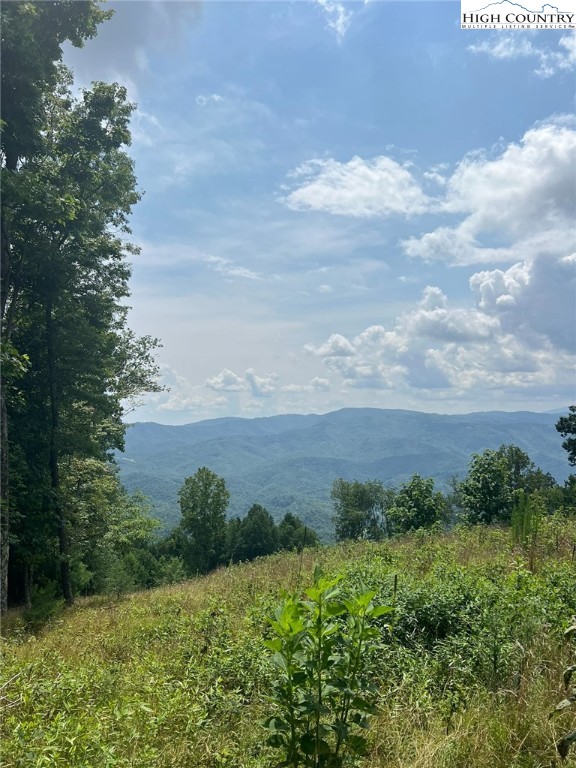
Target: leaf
(568, 675)
(276, 725)
(276, 740)
(273, 645)
(380, 610)
(362, 705)
(571, 630)
(563, 744)
(563, 705)
(334, 609)
(307, 743)
(357, 744)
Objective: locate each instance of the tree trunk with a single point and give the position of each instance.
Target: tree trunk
(27, 585)
(4, 504)
(63, 541)
(4, 465)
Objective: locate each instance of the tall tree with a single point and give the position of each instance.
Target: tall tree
(566, 425)
(360, 509)
(524, 475)
(32, 36)
(417, 505)
(203, 502)
(69, 281)
(486, 493)
(258, 535)
(294, 535)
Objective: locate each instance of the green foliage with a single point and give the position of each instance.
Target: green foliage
(177, 677)
(360, 509)
(566, 425)
(523, 474)
(416, 505)
(526, 516)
(69, 205)
(486, 493)
(257, 535)
(563, 744)
(203, 502)
(32, 37)
(294, 535)
(321, 645)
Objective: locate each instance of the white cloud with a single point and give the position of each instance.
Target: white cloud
(520, 335)
(338, 18)
(336, 346)
(516, 205)
(145, 128)
(211, 98)
(229, 269)
(181, 396)
(226, 381)
(518, 45)
(359, 188)
(317, 384)
(261, 386)
(532, 300)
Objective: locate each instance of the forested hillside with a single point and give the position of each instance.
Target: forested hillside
(289, 463)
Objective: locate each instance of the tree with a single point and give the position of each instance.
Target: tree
(360, 509)
(69, 283)
(257, 535)
(486, 493)
(566, 425)
(416, 505)
(203, 502)
(294, 535)
(524, 475)
(32, 36)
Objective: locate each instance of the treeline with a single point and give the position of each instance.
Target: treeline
(502, 486)
(70, 364)
(205, 538)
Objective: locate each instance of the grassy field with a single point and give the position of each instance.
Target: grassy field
(180, 676)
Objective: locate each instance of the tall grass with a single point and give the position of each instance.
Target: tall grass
(180, 676)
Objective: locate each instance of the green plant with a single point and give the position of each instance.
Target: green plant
(321, 646)
(563, 744)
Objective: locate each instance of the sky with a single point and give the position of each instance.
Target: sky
(347, 205)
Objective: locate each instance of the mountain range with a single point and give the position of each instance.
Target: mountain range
(288, 463)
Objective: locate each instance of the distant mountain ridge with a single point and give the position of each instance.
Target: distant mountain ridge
(288, 463)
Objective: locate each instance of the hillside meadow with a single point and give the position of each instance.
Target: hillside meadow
(467, 676)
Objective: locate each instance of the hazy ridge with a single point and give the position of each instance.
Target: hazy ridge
(288, 463)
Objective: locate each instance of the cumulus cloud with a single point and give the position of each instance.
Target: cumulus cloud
(257, 386)
(226, 381)
(520, 334)
(358, 188)
(515, 205)
(182, 396)
(317, 384)
(511, 204)
(261, 386)
(518, 45)
(336, 346)
(532, 300)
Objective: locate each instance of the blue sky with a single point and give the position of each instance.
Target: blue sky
(347, 204)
